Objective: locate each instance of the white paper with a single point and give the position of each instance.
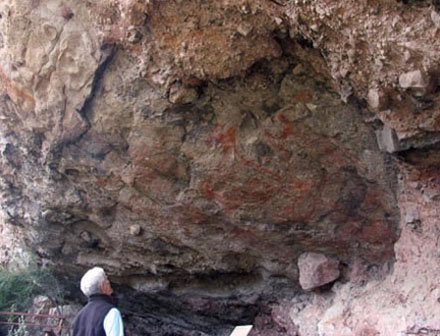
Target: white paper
(241, 330)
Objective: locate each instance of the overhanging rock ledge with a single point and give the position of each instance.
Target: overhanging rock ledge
(195, 149)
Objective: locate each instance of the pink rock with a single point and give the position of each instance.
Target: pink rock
(377, 99)
(316, 270)
(413, 79)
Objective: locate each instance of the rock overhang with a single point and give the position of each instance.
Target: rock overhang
(213, 140)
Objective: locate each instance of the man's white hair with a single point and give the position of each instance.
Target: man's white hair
(92, 280)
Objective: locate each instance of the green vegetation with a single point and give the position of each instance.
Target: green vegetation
(18, 288)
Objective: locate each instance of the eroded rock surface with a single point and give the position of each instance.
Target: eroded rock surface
(195, 149)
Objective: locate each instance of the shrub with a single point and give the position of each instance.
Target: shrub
(18, 288)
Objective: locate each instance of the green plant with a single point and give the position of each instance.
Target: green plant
(17, 288)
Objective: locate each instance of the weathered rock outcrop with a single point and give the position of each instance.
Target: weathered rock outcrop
(195, 149)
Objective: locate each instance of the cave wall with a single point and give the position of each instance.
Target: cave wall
(196, 149)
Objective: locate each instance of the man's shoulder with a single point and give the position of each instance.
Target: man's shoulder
(114, 311)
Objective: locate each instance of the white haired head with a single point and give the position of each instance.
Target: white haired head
(92, 281)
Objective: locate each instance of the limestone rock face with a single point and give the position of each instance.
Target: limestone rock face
(195, 149)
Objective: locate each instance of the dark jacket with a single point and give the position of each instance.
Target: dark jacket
(90, 319)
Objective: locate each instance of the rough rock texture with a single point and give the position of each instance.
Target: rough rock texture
(196, 149)
(407, 301)
(316, 270)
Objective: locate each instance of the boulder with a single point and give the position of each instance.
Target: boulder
(316, 270)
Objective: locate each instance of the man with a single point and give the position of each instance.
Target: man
(99, 317)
